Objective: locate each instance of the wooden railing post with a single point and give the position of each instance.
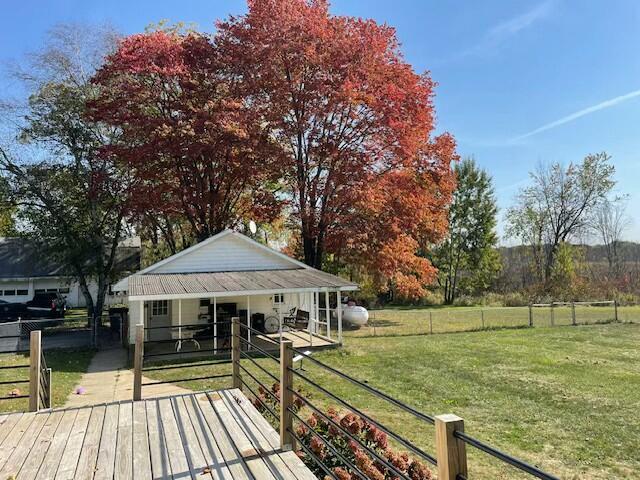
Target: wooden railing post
(553, 322)
(286, 396)
(530, 315)
(35, 352)
(615, 310)
(235, 352)
(573, 313)
(451, 452)
(138, 360)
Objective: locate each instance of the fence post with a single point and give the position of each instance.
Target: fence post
(482, 317)
(573, 313)
(49, 389)
(138, 360)
(235, 352)
(430, 323)
(451, 452)
(615, 310)
(552, 315)
(35, 352)
(286, 395)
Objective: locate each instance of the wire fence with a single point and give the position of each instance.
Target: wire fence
(353, 441)
(428, 321)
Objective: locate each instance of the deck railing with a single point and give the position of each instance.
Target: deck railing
(39, 375)
(450, 458)
(175, 349)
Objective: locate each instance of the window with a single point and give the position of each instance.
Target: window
(159, 308)
(278, 298)
(22, 292)
(204, 302)
(64, 290)
(9, 293)
(52, 290)
(39, 290)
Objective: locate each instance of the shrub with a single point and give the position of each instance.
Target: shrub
(322, 437)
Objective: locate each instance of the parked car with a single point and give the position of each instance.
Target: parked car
(47, 305)
(10, 312)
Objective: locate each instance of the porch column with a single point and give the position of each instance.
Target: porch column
(328, 313)
(280, 315)
(316, 302)
(248, 322)
(180, 323)
(141, 316)
(215, 326)
(339, 309)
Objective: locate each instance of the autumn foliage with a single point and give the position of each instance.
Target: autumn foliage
(185, 131)
(292, 110)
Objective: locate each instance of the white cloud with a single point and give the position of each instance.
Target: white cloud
(516, 24)
(501, 32)
(580, 113)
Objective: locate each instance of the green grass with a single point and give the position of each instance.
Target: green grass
(67, 368)
(562, 398)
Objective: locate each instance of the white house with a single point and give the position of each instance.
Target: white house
(230, 275)
(24, 272)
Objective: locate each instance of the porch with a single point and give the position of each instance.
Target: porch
(201, 435)
(190, 314)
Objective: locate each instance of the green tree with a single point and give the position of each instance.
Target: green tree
(73, 205)
(7, 210)
(467, 259)
(557, 206)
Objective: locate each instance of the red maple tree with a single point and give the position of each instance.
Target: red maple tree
(354, 125)
(196, 146)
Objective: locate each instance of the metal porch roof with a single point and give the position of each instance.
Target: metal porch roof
(239, 282)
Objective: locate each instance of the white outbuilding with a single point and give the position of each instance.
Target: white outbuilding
(194, 294)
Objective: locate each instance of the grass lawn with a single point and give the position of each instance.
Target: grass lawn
(67, 367)
(564, 398)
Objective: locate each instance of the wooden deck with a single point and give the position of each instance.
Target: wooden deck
(216, 435)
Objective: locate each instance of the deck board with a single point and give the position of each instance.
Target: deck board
(141, 455)
(20, 453)
(69, 460)
(160, 465)
(214, 458)
(124, 449)
(230, 452)
(89, 452)
(269, 456)
(108, 441)
(252, 458)
(271, 437)
(52, 455)
(214, 435)
(39, 449)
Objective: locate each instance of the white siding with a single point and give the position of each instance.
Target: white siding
(228, 253)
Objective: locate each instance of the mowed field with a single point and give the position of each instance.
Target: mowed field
(564, 398)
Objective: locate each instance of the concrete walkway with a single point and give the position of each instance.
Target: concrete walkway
(108, 380)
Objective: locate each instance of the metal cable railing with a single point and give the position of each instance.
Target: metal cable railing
(406, 443)
(331, 422)
(368, 388)
(349, 435)
(505, 457)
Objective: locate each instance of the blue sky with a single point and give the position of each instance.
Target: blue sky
(520, 82)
